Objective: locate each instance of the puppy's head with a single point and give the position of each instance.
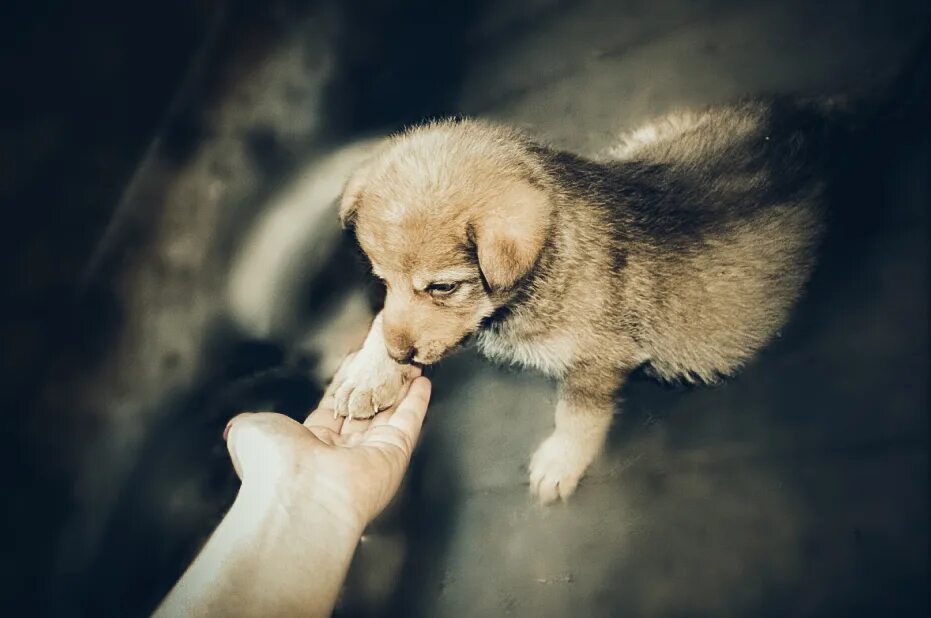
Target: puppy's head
(453, 217)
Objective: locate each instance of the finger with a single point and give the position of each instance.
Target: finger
(232, 428)
(355, 425)
(323, 417)
(327, 405)
(327, 402)
(408, 417)
(324, 434)
(384, 417)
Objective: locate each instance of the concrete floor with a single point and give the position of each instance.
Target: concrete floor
(798, 488)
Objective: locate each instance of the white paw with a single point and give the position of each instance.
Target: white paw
(366, 384)
(557, 467)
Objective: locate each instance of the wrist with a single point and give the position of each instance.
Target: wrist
(303, 505)
(277, 552)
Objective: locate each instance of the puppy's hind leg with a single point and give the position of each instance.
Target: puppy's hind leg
(583, 417)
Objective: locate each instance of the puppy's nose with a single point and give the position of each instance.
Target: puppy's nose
(403, 355)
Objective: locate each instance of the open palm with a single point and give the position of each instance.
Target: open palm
(350, 467)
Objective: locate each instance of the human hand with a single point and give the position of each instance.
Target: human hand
(349, 468)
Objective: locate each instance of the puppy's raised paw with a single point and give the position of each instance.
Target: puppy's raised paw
(366, 384)
(556, 468)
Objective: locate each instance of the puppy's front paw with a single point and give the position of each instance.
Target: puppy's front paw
(557, 467)
(365, 385)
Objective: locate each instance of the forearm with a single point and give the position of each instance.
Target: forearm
(271, 555)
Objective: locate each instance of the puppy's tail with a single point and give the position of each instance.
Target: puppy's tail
(843, 133)
(899, 105)
(870, 135)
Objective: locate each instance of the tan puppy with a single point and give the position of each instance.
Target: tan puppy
(684, 250)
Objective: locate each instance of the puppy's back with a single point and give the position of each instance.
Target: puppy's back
(725, 229)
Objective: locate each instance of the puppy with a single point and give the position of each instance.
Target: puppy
(683, 250)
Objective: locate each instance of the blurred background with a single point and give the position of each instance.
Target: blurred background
(171, 256)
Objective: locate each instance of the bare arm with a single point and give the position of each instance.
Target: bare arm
(308, 491)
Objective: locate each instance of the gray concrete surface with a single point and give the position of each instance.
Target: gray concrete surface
(797, 488)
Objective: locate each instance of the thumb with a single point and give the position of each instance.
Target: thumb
(260, 444)
(412, 410)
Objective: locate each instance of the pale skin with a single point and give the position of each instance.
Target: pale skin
(308, 492)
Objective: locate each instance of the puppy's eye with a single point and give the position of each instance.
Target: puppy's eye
(442, 288)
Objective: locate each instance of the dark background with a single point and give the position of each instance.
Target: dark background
(800, 488)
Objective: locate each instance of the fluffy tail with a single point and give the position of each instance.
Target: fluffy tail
(902, 102)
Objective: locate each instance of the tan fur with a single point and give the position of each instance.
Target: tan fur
(557, 273)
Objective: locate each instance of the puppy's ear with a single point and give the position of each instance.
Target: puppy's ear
(509, 234)
(352, 198)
